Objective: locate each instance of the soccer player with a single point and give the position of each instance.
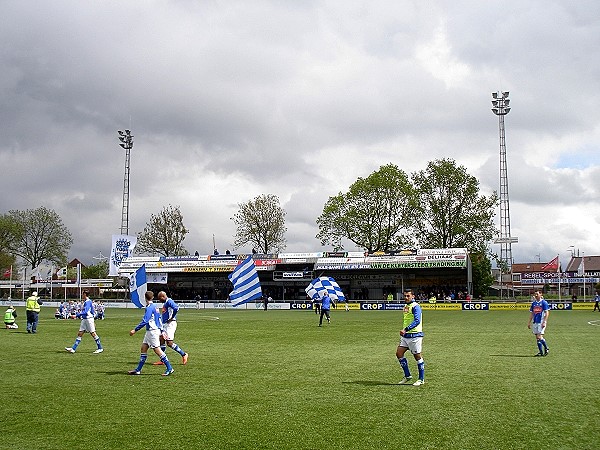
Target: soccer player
(153, 322)
(539, 312)
(169, 320)
(325, 307)
(86, 315)
(411, 338)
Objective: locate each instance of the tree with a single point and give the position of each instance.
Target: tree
(42, 236)
(164, 234)
(9, 235)
(99, 270)
(448, 209)
(261, 223)
(371, 214)
(482, 272)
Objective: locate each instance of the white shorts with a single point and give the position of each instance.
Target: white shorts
(152, 338)
(169, 330)
(88, 325)
(414, 344)
(537, 328)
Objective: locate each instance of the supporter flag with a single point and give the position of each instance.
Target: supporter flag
(7, 272)
(552, 266)
(138, 287)
(61, 273)
(325, 285)
(246, 285)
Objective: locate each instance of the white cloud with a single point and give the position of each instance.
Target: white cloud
(228, 102)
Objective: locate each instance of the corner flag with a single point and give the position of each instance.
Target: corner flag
(246, 285)
(138, 286)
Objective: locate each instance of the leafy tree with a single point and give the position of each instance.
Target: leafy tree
(9, 234)
(448, 208)
(372, 214)
(41, 236)
(99, 270)
(261, 223)
(482, 272)
(164, 234)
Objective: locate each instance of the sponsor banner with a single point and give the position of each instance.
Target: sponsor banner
(157, 277)
(222, 305)
(395, 306)
(292, 274)
(303, 306)
(260, 305)
(476, 306)
(226, 257)
(580, 306)
(419, 264)
(372, 306)
(207, 269)
(258, 256)
(339, 260)
(179, 258)
(438, 251)
(560, 305)
(293, 256)
(342, 266)
(351, 306)
(554, 280)
(508, 306)
(440, 306)
(266, 262)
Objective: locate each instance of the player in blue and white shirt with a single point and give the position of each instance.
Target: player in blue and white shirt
(86, 315)
(152, 321)
(169, 320)
(539, 312)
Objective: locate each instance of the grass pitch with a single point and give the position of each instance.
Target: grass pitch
(274, 380)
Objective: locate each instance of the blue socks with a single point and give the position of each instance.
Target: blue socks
(421, 366)
(404, 363)
(166, 362)
(178, 349)
(143, 357)
(97, 339)
(76, 344)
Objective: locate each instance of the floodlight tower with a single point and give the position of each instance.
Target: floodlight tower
(126, 139)
(500, 107)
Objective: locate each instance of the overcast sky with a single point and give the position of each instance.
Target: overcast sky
(228, 100)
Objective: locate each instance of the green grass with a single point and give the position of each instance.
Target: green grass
(274, 380)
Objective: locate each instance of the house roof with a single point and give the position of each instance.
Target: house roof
(590, 263)
(530, 267)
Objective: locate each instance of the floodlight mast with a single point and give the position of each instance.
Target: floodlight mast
(500, 107)
(126, 139)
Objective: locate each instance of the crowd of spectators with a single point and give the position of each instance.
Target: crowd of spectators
(70, 309)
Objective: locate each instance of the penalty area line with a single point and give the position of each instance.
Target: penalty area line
(594, 322)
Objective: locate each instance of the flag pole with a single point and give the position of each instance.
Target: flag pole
(583, 269)
(10, 283)
(559, 278)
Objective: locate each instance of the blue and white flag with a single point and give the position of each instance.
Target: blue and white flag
(122, 247)
(138, 287)
(245, 282)
(322, 285)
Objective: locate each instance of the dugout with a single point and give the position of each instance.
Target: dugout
(283, 276)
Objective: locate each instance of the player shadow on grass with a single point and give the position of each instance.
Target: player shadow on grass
(370, 383)
(512, 355)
